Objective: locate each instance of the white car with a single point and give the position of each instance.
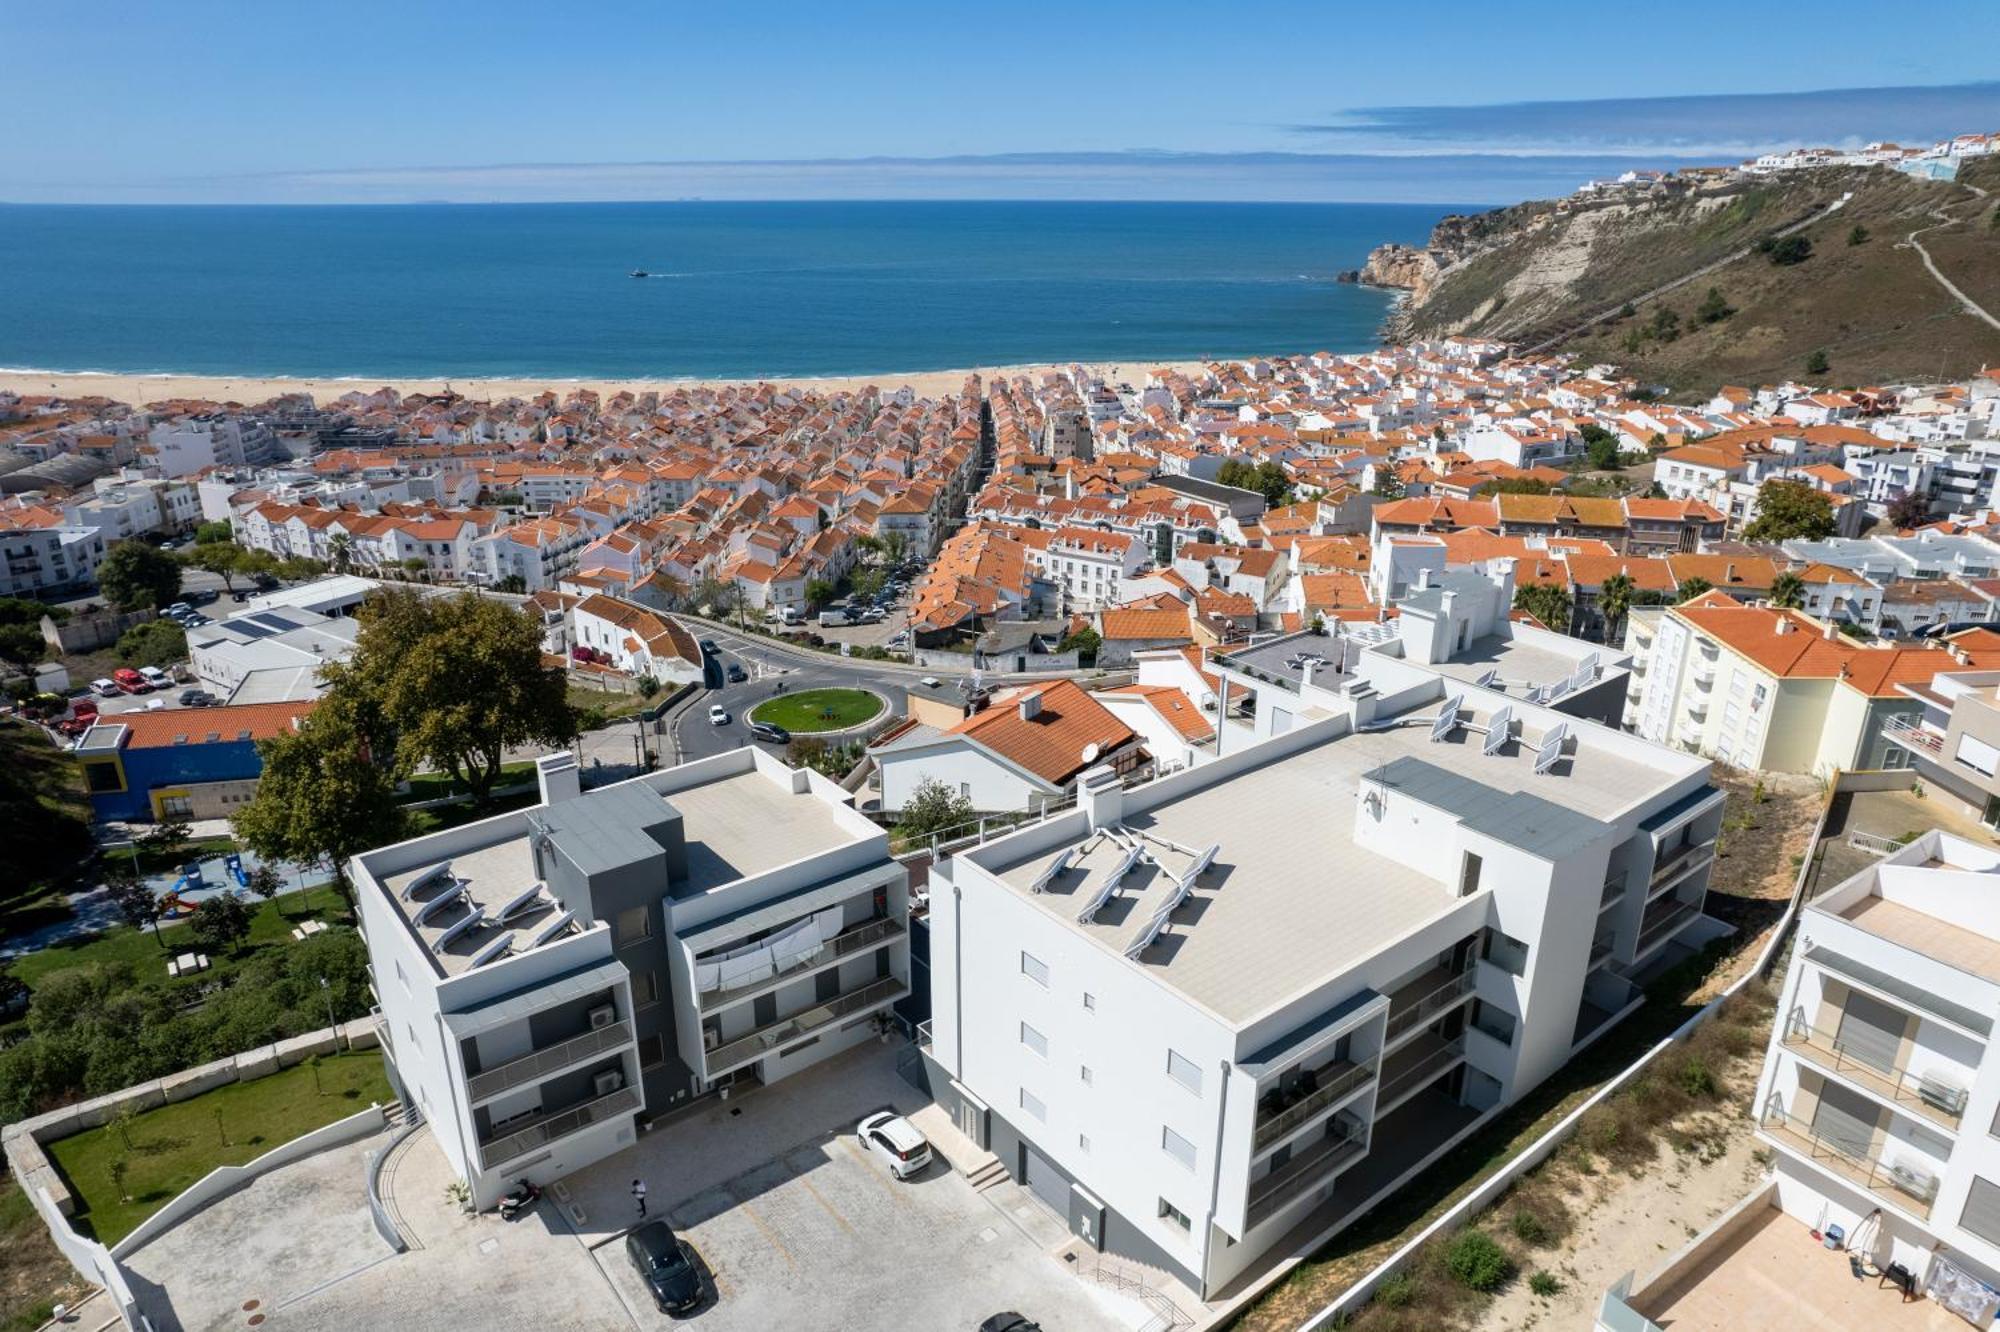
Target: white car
(104, 688)
(931, 682)
(896, 1141)
(156, 677)
(717, 716)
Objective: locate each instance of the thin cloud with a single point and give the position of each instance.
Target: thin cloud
(1717, 126)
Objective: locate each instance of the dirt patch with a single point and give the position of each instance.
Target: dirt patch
(1767, 827)
(33, 1273)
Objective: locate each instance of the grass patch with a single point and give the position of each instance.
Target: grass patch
(598, 706)
(422, 821)
(166, 1150)
(33, 1273)
(819, 710)
(438, 785)
(271, 925)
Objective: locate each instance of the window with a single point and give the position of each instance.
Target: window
(1468, 875)
(1184, 1071)
(1083, 1142)
(633, 924)
(1034, 1040)
(1175, 1215)
(1174, 1145)
(646, 987)
(1977, 755)
(1033, 1105)
(1510, 955)
(1982, 1210)
(1035, 969)
(1495, 1022)
(653, 1051)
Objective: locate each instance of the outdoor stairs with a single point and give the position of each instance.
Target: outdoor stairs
(399, 1116)
(1133, 1279)
(987, 1175)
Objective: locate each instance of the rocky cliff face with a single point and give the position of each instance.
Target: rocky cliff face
(1403, 266)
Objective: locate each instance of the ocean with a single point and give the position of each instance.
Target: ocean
(737, 289)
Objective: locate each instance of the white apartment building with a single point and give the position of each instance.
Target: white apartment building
(539, 552)
(1880, 1092)
(550, 978)
(195, 443)
(130, 508)
(38, 560)
(1242, 1003)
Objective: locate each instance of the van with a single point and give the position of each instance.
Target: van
(833, 619)
(790, 615)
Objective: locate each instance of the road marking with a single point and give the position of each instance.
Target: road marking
(830, 1211)
(867, 1169)
(769, 1234)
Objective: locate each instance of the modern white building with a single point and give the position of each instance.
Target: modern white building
(551, 978)
(39, 558)
(1880, 1092)
(1223, 1013)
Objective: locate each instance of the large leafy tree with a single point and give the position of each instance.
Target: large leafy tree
(1790, 510)
(934, 809)
(1693, 588)
(135, 575)
(1910, 509)
(323, 795)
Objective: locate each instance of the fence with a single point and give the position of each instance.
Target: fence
(1490, 1189)
(378, 1211)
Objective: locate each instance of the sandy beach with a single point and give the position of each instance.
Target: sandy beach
(246, 390)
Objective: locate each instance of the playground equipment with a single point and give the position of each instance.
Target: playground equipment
(233, 862)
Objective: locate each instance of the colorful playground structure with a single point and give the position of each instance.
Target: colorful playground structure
(174, 905)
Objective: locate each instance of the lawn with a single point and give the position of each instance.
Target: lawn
(604, 705)
(819, 709)
(438, 785)
(271, 923)
(437, 819)
(167, 1149)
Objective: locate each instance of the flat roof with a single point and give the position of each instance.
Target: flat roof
(1291, 899)
(1288, 659)
(746, 824)
(1927, 934)
(480, 882)
(1521, 665)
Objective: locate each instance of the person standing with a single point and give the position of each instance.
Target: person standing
(639, 1196)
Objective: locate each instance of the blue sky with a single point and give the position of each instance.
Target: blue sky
(198, 101)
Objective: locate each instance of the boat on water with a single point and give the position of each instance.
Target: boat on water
(640, 272)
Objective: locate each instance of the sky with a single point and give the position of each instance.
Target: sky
(199, 101)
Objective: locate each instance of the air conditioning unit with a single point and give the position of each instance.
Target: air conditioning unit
(1942, 1095)
(1919, 1184)
(602, 1016)
(710, 1038)
(610, 1080)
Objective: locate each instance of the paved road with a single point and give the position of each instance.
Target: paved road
(767, 665)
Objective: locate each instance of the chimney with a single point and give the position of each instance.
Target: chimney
(1830, 631)
(1784, 625)
(1729, 573)
(1423, 580)
(1101, 796)
(558, 776)
(1031, 706)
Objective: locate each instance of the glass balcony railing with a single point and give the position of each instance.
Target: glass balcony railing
(1408, 1017)
(764, 1040)
(868, 934)
(546, 1062)
(1306, 1171)
(520, 1141)
(1334, 1083)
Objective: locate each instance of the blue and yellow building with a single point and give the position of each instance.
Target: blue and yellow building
(181, 763)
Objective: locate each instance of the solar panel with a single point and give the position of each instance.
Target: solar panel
(440, 870)
(521, 904)
(498, 945)
(554, 928)
(1447, 719)
(1488, 678)
(438, 903)
(1588, 668)
(1146, 936)
(1056, 869)
(1199, 868)
(1552, 747)
(1498, 728)
(473, 920)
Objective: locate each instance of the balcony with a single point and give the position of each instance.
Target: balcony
(1416, 1067)
(1614, 892)
(1332, 1084)
(546, 1062)
(1910, 734)
(1601, 949)
(520, 1141)
(1912, 1190)
(855, 939)
(1417, 1004)
(1677, 863)
(1307, 1171)
(765, 1040)
(1663, 925)
(1933, 1099)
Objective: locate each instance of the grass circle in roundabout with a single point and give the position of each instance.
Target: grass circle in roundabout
(812, 710)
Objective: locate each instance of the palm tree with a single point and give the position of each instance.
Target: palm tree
(1614, 601)
(1694, 587)
(340, 553)
(1788, 591)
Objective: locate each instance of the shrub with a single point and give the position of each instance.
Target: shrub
(1530, 1229)
(1545, 1284)
(1397, 1290)
(1476, 1261)
(1695, 1079)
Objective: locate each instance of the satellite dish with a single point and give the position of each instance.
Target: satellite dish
(1090, 752)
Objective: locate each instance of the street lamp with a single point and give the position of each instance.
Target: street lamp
(326, 993)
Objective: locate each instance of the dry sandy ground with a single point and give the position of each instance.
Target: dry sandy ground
(247, 390)
(1628, 1224)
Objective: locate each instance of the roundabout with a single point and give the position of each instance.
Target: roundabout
(820, 711)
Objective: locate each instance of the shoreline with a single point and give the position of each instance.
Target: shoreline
(137, 388)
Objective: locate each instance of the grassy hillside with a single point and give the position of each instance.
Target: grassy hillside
(1871, 307)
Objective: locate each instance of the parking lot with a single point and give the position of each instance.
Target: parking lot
(824, 1236)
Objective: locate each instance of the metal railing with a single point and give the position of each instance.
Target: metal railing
(1867, 841)
(1421, 1072)
(924, 1035)
(1409, 1016)
(1665, 923)
(1614, 889)
(1910, 734)
(1683, 858)
(539, 1064)
(519, 1142)
(766, 1039)
(1337, 1084)
(1304, 1172)
(1935, 1100)
(1601, 949)
(1912, 1189)
(869, 934)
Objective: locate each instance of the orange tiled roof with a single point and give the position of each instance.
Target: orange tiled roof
(1050, 744)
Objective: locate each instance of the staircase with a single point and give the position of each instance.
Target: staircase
(987, 1175)
(1136, 1281)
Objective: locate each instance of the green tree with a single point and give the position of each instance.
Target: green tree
(1603, 454)
(1910, 509)
(138, 904)
(322, 797)
(221, 558)
(1548, 602)
(1817, 363)
(818, 592)
(1388, 485)
(167, 840)
(1788, 591)
(1516, 485)
(1785, 251)
(457, 680)
(135, 575)
(210, 533)
(265, 882)
(1857, 235)
(1666, 325)
(340, 553)
(1693, 588)
(1790, 510)
(220, 923)
(22, 644)
(1085, 642)
(513, 583)
(154, 643)
(933, 809)
(1614, 602)
(1713, 308)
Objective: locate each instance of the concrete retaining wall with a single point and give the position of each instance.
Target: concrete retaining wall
(225, 1180)
(92, 1260)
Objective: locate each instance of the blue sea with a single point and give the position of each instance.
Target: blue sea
(738, 289)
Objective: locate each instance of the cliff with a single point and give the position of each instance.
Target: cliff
(1625, 277)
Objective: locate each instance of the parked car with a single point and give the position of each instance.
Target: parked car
(708, 647)
(1010, 1322)
(104, 688)
(196, 698)
(832, 619)
(901, 638)
(130, 681)
(178, 609)
(664, 1262)
(931, 682)
(736, 674)
(770, 734)
(896, 1141)
(717, 715)
(82, 717)
(156, 677)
